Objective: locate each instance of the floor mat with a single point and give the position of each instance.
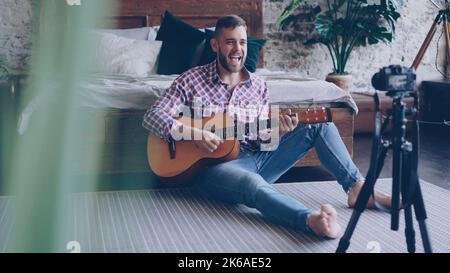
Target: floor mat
(175, 220)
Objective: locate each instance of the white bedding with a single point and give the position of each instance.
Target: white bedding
(129, 92)
(126, 92)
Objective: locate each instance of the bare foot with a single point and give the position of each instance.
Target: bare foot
(380, 198)
(324, 223)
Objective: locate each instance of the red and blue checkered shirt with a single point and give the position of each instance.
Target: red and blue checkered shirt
(202, 86)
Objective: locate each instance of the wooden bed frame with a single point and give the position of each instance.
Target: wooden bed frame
(123, 136)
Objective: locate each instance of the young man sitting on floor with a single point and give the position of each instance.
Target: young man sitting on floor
(248, 180)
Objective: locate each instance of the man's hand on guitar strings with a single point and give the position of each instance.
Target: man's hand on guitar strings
(209, 143)
(288, 122)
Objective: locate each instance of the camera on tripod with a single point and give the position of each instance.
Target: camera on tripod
(395, 78)
(399, 82)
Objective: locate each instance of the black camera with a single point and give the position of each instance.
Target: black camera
(394, 78)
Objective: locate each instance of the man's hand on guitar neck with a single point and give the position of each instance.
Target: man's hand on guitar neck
(209, 142)
(288, 122)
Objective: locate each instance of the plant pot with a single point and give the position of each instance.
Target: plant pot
(345, 82)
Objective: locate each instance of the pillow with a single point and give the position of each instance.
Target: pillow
(113, 54)
(153, 33)
(180, 42)
(198, 54)
(254, 46)
(141, 33)
(208, 28)
(208, 54)
(200, 48)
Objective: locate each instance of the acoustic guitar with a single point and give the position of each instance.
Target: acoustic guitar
(178, 161)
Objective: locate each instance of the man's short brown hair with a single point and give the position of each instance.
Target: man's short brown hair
(229, 21)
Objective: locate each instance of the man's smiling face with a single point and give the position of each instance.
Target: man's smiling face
(231, 48)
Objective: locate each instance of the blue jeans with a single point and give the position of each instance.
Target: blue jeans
(248, 179)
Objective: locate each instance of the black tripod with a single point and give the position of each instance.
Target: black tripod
(404, 173)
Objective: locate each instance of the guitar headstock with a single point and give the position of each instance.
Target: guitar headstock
(314, 115)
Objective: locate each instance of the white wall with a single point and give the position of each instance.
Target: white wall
(15, 33)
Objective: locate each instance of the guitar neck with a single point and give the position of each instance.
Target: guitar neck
(307, 116)
(313, 115)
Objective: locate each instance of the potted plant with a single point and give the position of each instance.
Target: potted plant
(344, 25)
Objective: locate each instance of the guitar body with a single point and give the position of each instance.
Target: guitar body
(189, 159)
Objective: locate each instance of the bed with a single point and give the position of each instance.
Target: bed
(119, 101)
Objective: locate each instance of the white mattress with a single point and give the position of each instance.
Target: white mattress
(128, 92)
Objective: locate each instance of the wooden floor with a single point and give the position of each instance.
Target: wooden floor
(434, 159)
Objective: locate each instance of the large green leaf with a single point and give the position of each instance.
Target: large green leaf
(288, 11)
(346, 24)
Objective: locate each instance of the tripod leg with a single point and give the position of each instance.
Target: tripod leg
(410, 233)
(361, 201)
(421, 216)
(419, 205)
(447, 45)
(426, 43)
(398, 131)
(412, 193)
(415, 198)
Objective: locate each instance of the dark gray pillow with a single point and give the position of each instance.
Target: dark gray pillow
(180, 42)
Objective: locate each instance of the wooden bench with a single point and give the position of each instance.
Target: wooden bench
(365, 120)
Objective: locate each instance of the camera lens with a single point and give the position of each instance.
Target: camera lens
(376, 81)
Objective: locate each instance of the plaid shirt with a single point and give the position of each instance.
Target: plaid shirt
(201, 88)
